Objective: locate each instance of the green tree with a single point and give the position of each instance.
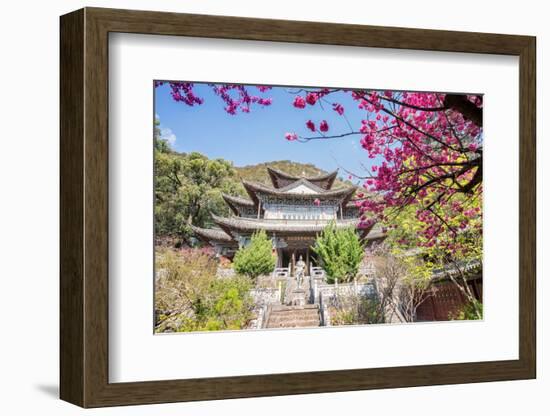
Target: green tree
(256, 258)
(188, 187)
(340, 252)
(161, 145)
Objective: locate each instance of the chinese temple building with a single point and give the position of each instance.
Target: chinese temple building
(293, 211)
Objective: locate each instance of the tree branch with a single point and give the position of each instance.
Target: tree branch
(461, 104)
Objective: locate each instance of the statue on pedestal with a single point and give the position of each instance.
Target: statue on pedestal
(299, 270)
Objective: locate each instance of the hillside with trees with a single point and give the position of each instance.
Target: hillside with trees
(258, 172)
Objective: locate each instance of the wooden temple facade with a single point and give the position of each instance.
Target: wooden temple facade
(293, 211)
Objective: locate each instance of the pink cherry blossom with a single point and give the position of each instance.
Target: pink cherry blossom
(338, 108)
(236, 97)
(299, 102)
(310, 125)
(323, 126)
(311, 98)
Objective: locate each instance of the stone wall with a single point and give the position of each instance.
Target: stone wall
(265, 296)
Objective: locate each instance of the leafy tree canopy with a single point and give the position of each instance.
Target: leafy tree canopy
(340, 251)
(188, 188)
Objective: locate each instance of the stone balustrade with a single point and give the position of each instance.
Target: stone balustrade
(329, 293)
(265, 296)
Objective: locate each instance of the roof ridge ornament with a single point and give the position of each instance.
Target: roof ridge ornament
(253, 188)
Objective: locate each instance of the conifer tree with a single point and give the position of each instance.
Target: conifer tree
(340, 252)
(256, 258)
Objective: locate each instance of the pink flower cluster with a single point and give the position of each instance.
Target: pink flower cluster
(235, 96)
(238, 97)
(183, 92)
(312, 97)
(323, 126)
(339, 108)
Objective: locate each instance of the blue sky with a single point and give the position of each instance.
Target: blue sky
(258, 136)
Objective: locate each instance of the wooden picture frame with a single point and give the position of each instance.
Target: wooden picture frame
(84, 207)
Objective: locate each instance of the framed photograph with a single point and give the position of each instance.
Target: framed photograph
(255, 207)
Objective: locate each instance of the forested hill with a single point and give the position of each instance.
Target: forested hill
(258, 172)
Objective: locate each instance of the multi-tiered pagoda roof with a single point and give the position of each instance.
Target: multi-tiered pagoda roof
(294, 208)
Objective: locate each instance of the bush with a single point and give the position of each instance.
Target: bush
(256, 258)
(357, 310)
(340, 252)
(471, 311)
(228, 305)
(189, 297)
(182, 278)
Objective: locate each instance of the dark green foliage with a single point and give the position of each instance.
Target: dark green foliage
(257, 258)
(188, 187)
(340, 252)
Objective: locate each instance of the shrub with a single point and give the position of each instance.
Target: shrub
(228, 305)
(340, 252)
(182, 278)
(357, 310)
(256, 258)
(471, 311)
(189, 297)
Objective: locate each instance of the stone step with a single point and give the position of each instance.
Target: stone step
(279, 318)
(293, 316)
(294, 324)
(284, 308)
(287, 311)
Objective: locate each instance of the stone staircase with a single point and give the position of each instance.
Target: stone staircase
(283, 316)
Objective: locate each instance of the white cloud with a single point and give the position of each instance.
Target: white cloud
(168, 135)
